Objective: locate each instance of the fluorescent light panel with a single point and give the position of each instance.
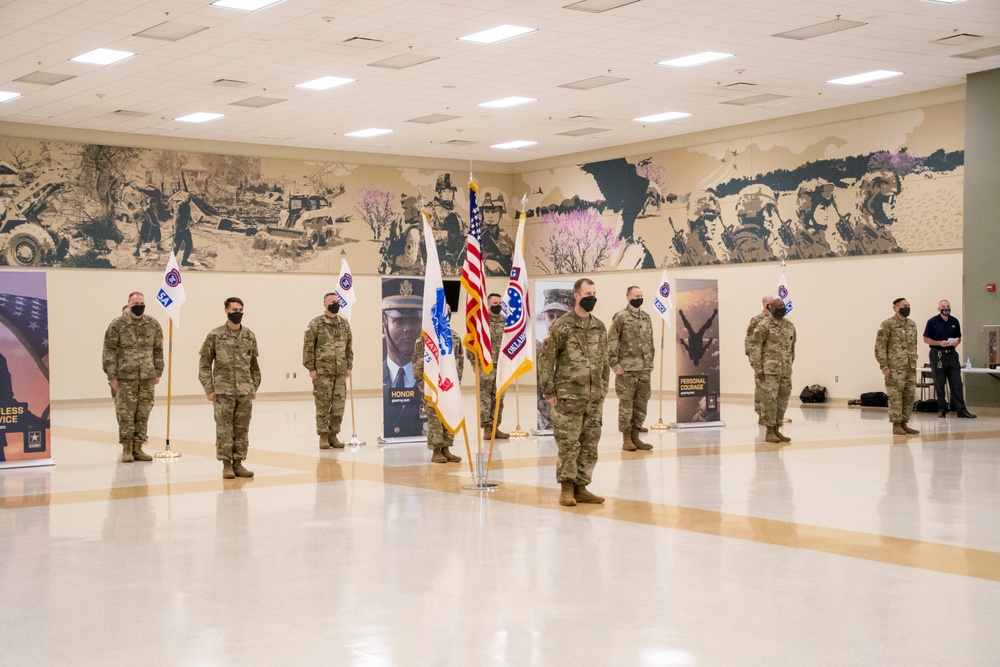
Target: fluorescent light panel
(370, 132)
(867, 77)
(593, 82)
(7, 96)
(507, 102)
(199, 117)
(257, 102)
(661, 117)
(245, 5)
(520, 143)
(697, 59)
(102, 57)
(598, 6)
(325, 83)
(170, 31)
(403, 61)
(819, 29)
(498, 34)
(433, 118)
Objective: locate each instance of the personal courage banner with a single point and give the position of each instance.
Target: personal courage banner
(697, 303)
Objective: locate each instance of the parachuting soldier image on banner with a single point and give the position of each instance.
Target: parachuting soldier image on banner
(402, 395)
(698, 364)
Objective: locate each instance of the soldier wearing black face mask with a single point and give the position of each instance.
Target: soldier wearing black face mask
(488, 381)
(328, 355)
(896, 353)
(630, 355)
(133, 362)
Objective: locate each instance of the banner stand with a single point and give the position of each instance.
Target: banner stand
(688, 425)
(413, 440)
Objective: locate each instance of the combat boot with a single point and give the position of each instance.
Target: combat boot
(627, 443)
(335, 442)
(772, 435)
(582, 495)
(781, 436)
(897, 429)
(909, 431)
(449, 456)
(138, 454)
(642, 429)
(227, 469)
(639, 444)
(240, 470)
(438, 457)
(566, 496)
(500, 435)
(324, 441)
(127, 456)
(760, 421)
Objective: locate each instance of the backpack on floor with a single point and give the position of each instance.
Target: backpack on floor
(814, 393)
(875, 399)
(929, 405)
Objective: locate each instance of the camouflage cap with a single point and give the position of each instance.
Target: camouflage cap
(558, 299)
(402, 294)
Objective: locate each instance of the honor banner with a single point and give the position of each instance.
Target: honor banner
(25, 434)
(402, 394)
(553, 298)
(697, 303)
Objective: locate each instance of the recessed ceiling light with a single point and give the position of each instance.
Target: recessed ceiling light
(498, 34)
(102, 57)
(433, 118)
(325, 83)
(867, 77)
(819, 29)
(7, 96)
(697, 59)
(257, 102)
(370, 132)
(403, 61)
(507, 102)
(593, 82)
(170, 31)
(660, 117)
(598, 6)
(520, 143)
(200, 117)
(245, 5)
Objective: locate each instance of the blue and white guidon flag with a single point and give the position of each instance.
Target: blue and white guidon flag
(783, 291)
(664, 299)
(171, 294)
(345, 289)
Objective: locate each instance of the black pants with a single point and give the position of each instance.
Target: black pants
(946, 366)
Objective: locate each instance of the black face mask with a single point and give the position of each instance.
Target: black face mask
(334, 307)
(138, 309)
(778, 313)
(235, 318)
(905, 312)
(496, 310)
(635, 303)
(588, 303)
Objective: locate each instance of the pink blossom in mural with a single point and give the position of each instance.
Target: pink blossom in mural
(578, 242)
(375, 207)
(901, 163)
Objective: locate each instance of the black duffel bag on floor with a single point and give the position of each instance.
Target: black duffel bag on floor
(814, 393)
(875, 399)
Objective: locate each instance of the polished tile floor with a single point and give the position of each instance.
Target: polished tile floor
(846, 547)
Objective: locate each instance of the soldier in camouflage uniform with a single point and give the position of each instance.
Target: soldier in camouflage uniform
(896, 353)
(573, 372)
(630, 355)
(757, 212)
(439, 440)
(488, 381)
(748, 346)
(328, 355)
(230, 374)
(703, 212)
(133, 362)
(876, 204)
(772, 352)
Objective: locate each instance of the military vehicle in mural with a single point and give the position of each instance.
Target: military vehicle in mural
(24, 239)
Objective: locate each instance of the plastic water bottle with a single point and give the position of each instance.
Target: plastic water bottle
(968, 363)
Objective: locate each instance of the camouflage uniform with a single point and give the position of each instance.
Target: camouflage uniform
(438, 436)
(747, 350)
(573, 367)
(630, 345)
(229, 369)
(772, 353)
(328, 350)
(488, 381)
(896, 349)
(133, 355)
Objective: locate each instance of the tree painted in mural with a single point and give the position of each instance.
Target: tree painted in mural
(578, 242)
(375, 208)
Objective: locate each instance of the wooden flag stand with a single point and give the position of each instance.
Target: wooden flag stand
(167, 453)
(659, 425)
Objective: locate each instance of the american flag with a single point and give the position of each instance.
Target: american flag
(28, 319)
(477, 318)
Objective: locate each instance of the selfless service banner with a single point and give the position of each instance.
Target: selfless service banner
(25, 431)
(697, 303)
(553, 299)
(402, 394)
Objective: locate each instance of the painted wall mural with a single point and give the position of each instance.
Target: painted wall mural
(86, 205)
(889, 184)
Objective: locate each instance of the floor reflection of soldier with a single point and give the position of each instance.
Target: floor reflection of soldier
(808, 239)
(757, 212)
(402, 250)
(696, 249)
(696, 345)
(498, 248)
(558, 302)
(6, 399)
(876, 205)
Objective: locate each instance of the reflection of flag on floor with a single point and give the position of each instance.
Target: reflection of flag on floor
(783, 291)
(171, 295)
(345, 289)
(28, 319)
(515, 350)
(664, 300)
(441, 388)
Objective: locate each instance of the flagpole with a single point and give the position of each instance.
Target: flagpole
(167, 454)
(517, 432)
(493, 437)
(468, 449)
(479, 431)
(659, 425)
(355, 441)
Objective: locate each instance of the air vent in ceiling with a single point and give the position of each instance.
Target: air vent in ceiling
(593, 82)
(433, 118)
(403, 61)
(228, 83)
(460, 142)
(363, 42)
(988, 52)
(958, 39)
(582, 132)
(257, 102)
(755, 100)
(739, 86)
(819, 29)
(581, 118)
(126, 113)
(44, 78)
(170, 31)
